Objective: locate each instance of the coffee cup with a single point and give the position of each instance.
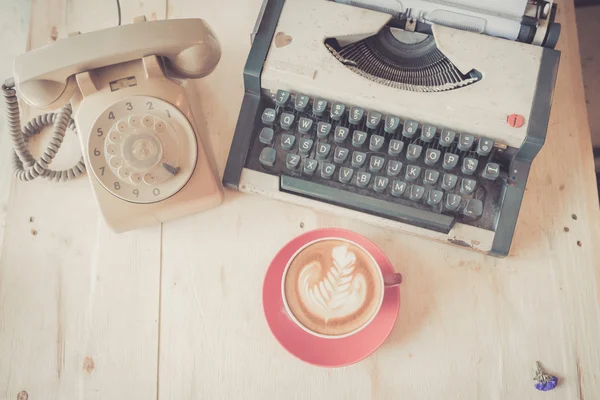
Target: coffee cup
(333, 287)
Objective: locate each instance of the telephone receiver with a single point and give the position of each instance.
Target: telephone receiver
(122, 88)
(188, 44)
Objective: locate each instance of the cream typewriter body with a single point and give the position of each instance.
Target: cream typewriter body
(137, 132)
(396, 117)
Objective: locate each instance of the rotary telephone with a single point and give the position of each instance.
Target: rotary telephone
(123, 86)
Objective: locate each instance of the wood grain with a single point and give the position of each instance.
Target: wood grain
(85, 314)
(78, 304)
(470, 326)
(14, 23)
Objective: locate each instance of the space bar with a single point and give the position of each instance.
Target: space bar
(414, 216)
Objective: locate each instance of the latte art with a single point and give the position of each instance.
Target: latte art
(333, 287)
(338, 294)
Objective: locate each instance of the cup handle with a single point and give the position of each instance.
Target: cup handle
(392, 280)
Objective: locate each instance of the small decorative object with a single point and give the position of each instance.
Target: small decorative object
(543, 380)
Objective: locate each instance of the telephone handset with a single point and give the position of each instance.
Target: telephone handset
(137, 132)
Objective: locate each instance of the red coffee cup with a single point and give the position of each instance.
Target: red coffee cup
(329, 350)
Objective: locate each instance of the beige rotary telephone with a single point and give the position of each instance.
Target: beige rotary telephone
(137, 133)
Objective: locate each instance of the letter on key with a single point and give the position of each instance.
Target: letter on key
(412, 172)
(327, 170)
(450, 161)
(376, 163)
(376, 142)
(362, 179)
(305, 145)
(304, 124)
(323, 150)
(413, 152)
(340, 155)
(292, 161)
(394, 167)
(358, 138)
(341, 133)
(323, 129)
(395, 147)
(346, 174)
(432, 156)
(380, 184)
(358, 159)
(310, 166)
(286, 120)
(398, 188)
(287, 141)
(431, 177)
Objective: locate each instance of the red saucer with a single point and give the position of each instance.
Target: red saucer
(321, 351)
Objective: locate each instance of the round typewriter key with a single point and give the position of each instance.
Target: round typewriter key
(319, 106)
(515, 120)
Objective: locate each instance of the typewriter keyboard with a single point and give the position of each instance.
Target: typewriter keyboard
(405, 170)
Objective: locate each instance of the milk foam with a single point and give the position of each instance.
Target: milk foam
(333, 291)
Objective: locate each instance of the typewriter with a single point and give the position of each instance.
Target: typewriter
(421, 116)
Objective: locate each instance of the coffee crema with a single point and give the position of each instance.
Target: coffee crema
(333, 287)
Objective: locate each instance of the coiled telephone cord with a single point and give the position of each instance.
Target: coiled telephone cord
(25, 166)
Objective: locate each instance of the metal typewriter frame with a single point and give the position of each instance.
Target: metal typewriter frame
(253, 102)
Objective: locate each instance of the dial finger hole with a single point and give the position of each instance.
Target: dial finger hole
(111, 149)
(160, 126)
(134, 121)
(136, 178)
(149, 179)
(116, 162)
(124, 172)
(122, 126)
(115, 136)
(148, 121)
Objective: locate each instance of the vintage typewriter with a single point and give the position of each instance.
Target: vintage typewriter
(422, 116)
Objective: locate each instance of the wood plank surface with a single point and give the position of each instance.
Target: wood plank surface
(78, 304)
(85, 313)
(14, 23)
(470, 326)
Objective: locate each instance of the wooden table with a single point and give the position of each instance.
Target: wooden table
(174, 311)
